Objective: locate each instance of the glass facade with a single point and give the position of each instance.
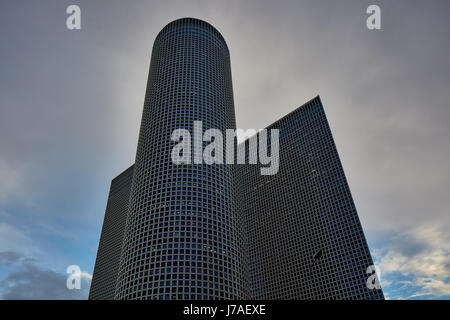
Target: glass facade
(304, 237)
(104, 278)
(198, 231)
(183, 238)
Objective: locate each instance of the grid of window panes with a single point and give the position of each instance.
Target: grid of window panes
(108, 255)
(305, 240)
(183, 238)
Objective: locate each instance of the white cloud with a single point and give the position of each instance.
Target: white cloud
(423, 256)
(86, 275)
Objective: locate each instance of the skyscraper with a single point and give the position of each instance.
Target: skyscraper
(305, 240)
(104, 278)
(219, 231)
(184, 236)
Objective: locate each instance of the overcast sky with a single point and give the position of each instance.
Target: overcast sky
(71, 104)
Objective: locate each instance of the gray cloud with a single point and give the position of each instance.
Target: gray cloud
(29, 281)
(71, 101)
(9, 258)
(13, 239)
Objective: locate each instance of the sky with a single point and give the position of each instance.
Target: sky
(71, 103)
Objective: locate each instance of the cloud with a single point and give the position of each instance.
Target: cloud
(417, 263)
(30, 281)
(14, 239)
(8, 258)
(86, 275)
(12, 178)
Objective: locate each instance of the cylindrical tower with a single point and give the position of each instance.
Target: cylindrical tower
(183, 238)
